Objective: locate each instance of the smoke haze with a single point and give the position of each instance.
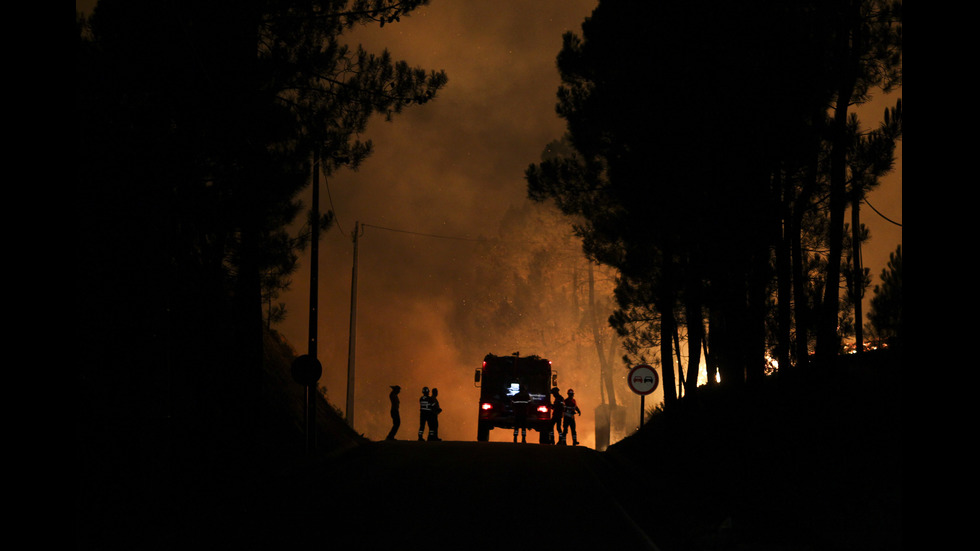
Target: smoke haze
(450, 171)
(451, 168)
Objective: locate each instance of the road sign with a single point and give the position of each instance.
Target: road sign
(306, 370)
(643, 379)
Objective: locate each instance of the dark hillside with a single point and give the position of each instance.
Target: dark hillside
(283, 431)
(807, 462)
(159, 486)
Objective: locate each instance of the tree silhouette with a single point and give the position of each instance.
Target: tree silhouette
(672, 192)
(867, 54)
(702, 157)
(199, 123)
(885, 316)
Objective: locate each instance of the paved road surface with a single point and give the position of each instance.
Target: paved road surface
(450, 495)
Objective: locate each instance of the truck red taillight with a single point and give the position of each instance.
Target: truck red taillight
(542, 409)
(485, 406)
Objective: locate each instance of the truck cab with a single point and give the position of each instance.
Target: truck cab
(500, 378)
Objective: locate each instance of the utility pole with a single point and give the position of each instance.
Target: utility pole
(310, 383)
(314, 256)
(353, 332)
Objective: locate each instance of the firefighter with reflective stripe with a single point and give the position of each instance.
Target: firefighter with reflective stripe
(425, 411)
(520, 402)
(434, 411)
(571, 408)
(557, 410)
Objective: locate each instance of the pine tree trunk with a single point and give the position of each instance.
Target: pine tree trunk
(695, 335)
(783, 283)
(667, 354)
(604, 366)
(828, 340)
(801, 314)
(858, 279)
(665, 305)
(755, 337)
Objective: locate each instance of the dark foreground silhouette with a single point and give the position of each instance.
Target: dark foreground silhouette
(805, 463)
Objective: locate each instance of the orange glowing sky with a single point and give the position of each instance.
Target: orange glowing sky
(453, 167)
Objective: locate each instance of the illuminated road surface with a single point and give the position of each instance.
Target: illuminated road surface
(453, 495)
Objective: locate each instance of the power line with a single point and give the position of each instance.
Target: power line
(422, 234)
(881, 215)
(326, 183)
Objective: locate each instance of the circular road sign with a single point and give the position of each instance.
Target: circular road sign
(643, 379)
(306, 370)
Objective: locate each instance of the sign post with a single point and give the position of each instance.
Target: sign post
(306, 371)
(643, 380)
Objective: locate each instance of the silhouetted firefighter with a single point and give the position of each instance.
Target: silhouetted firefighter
(557, 411)
(520, 401)
(571, 408)
(425, 412)
(396, 419)
(434, 411)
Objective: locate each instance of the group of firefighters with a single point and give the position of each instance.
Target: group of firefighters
(429, 411)
(563, 412)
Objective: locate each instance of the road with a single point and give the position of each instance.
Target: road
(449, 495)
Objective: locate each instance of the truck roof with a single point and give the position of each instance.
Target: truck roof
(492, 357)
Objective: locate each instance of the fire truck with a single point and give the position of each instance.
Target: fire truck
(500, 379)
